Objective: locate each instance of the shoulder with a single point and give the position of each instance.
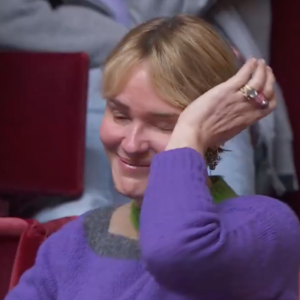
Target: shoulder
(90, 234)
(262, 214)
(74, 238)
(259, 205)
(264, 230)
(66, 240)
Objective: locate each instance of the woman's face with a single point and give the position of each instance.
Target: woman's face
(137, 124)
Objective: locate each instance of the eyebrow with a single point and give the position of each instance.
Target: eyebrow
(157, 115)
(118, 103)
(164, 115)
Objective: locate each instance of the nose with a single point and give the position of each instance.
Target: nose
(135, 140)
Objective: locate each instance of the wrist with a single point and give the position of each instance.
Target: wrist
(186, 139)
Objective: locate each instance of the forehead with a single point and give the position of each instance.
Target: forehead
(140, 96)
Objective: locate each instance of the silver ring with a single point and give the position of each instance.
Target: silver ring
(252, 94)
(249, 92)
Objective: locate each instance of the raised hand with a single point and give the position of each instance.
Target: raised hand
(227, 109)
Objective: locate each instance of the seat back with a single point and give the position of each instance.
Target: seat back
(43, 103)
(10, 231)
(285, 60)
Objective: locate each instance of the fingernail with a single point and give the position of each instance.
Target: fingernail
(262, 61)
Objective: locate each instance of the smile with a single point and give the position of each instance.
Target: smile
(133, 164)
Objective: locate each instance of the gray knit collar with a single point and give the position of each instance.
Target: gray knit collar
(96, 224)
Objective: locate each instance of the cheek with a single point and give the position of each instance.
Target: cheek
(110, 133)
(159, 141)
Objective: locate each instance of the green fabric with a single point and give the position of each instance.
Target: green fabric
(135, 215)
(219, 190)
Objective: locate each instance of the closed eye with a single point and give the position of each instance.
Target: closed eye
(119, 117)
(168, 127)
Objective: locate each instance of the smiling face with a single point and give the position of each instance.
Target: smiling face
(137, 124)
(155, 71)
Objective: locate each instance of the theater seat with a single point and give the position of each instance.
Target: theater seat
(286, 65)
(43, 105)
(20, 240)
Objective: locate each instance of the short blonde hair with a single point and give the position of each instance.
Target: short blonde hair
(186, 58)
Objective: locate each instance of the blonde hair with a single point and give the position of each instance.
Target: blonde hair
(185, 56)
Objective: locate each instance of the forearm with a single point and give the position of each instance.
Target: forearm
(35, 26)
(178, 218)
(184, 237)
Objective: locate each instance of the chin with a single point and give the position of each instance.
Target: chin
(130, 187)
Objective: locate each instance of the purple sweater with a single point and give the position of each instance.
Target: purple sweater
(189, 248)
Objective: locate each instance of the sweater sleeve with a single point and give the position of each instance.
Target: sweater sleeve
(35, 26)
(245, 247)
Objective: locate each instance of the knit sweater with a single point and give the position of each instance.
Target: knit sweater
(189, 248)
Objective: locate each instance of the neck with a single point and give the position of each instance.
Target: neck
(120, 223)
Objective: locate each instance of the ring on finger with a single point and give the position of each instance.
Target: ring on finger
(252, 94)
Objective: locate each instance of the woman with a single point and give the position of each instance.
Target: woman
(188, 246)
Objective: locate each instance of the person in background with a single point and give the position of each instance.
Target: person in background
(173, 98)
(96, 26)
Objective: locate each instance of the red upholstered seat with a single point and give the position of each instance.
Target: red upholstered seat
(286, 65)
(19, 243)
(43, 104)
(43, 99)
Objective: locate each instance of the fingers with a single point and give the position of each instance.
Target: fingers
(258, 113)
(243, 76)
(268, 89)
(259, 77)
(262, 81)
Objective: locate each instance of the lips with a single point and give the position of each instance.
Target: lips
(134, 163)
